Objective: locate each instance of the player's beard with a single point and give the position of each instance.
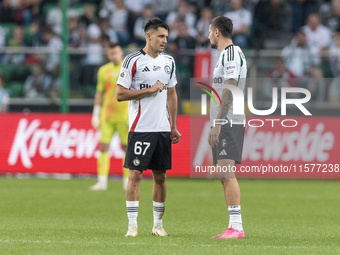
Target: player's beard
(213, 45)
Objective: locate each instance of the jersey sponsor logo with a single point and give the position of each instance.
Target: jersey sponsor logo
(156, 68)
(145, 86)
(167, 69)
(136, 162)
(146, 69)
(230, 67)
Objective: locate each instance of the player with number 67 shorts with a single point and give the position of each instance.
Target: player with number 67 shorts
(147, 79)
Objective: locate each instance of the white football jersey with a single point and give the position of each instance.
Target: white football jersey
(231, 64)
(141, 71)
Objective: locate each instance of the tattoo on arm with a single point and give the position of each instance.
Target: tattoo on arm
(227, 101)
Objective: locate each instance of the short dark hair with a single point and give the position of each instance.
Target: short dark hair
(113, 45)
(223, 24)
(154, 24)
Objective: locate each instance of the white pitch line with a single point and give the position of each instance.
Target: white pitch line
(171, 244)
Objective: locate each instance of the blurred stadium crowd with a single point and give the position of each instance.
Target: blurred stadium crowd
(306, 33)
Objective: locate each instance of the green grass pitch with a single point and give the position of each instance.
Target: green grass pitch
(48, 216)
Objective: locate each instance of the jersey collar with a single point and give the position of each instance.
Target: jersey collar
(229, 46)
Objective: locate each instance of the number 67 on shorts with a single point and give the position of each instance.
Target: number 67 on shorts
(148, 150)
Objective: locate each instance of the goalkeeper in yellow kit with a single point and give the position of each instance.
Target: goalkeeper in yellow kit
(109, 115)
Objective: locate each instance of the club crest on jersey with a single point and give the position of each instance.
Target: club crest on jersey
(136, 162)
(156, 68)
(122, 76)
(167, 69)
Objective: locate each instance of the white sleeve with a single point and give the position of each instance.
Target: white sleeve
(173, 78)
(231, 68)
(125, 78)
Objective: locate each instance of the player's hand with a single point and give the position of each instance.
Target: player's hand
(95, 121)
(213, 135)
(158, 86)
(175, 136)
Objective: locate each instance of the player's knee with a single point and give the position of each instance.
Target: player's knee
(225, 180)
(124, 147)
(135, 176)
(159, 178)
(104, 147)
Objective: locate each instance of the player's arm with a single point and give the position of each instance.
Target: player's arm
(98, 101)
(227, 101)
(124, 94)
(231, 71)
(172, 102)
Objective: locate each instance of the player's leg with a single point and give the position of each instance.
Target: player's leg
(103, 166)
(158, 197)
(103, 162)
(132, 200)
(229, 151)
(161, 160)
(229, 182)
(133, 187)
(159, 186)
(123, 131)
(125, 171)
(232, 196)
(139, 152)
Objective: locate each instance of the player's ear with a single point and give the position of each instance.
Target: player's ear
(217, 32)
(148, 36)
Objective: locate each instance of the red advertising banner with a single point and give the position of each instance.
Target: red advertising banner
(299, 147)
(66, 143)
(203, 64)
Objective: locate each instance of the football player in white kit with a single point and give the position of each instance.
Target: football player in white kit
(227, 140)
(147, 79)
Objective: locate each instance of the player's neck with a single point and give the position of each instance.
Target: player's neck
(116, 63)
(150, 52)
(224, 43)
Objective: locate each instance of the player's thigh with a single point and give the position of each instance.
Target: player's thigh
(230, 144)
(123, 131)
(140, 149)
(161, 158)
(226, 168)
(107, 130)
